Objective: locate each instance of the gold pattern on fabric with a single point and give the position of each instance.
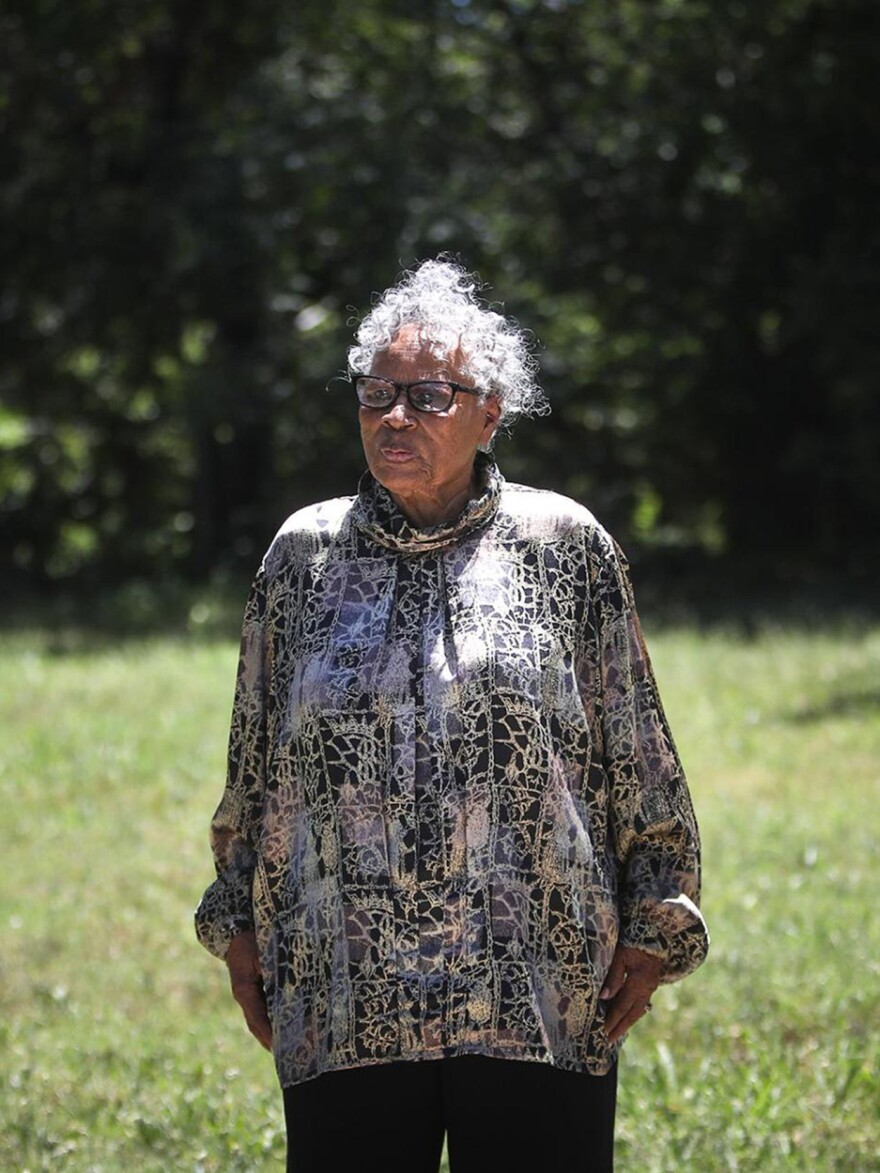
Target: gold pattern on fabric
(451, 786)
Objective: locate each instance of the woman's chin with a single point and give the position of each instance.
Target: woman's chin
(396, 475)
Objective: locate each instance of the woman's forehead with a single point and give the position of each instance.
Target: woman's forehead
(414, 346)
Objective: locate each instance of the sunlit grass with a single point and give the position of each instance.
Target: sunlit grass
(767, 1058)
(121, 1048)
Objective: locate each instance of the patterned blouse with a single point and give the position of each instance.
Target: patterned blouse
(451, 786)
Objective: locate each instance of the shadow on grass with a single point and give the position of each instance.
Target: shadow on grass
(854, 700)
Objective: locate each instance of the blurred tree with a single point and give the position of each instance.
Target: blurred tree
(677, 196)
(134, 264)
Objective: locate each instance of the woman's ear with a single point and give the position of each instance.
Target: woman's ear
(492, 412)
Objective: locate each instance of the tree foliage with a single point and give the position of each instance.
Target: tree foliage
(678, 197)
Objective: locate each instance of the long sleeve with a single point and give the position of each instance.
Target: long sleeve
(226, 907)
(652, 819)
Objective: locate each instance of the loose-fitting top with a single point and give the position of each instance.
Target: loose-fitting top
(451, 787)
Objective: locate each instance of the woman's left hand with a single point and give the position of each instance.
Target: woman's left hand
(632, 979)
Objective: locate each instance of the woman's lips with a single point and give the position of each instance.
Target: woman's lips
(398, 455)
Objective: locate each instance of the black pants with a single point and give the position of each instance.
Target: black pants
(509, 1116)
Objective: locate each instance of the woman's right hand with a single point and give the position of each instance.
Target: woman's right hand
(246, 978)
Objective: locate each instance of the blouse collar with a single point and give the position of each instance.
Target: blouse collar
(376, 514)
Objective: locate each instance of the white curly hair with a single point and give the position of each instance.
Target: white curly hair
(441, 297)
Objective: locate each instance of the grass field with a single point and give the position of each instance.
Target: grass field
(120, 1048)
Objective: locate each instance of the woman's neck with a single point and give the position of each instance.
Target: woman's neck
(425, 510)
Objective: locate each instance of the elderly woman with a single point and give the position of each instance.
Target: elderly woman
(456, 852)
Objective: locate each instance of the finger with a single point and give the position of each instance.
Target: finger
(259, 1025)
(615, 976)
(625, 1024)
(623, 1013)
(630, 1004)
(252, 1001)
(618, 1010)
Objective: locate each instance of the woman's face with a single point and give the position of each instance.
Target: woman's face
(425, 460)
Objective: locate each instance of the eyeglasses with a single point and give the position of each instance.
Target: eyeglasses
(428, 395)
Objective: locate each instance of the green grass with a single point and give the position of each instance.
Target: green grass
(120, 1047)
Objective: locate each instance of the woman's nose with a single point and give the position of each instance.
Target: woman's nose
(397, 415)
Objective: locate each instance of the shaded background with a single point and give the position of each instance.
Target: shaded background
(679, 197)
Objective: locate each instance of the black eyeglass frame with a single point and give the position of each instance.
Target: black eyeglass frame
(406, 388)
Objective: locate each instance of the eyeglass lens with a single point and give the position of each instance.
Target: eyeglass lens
(423, 396)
